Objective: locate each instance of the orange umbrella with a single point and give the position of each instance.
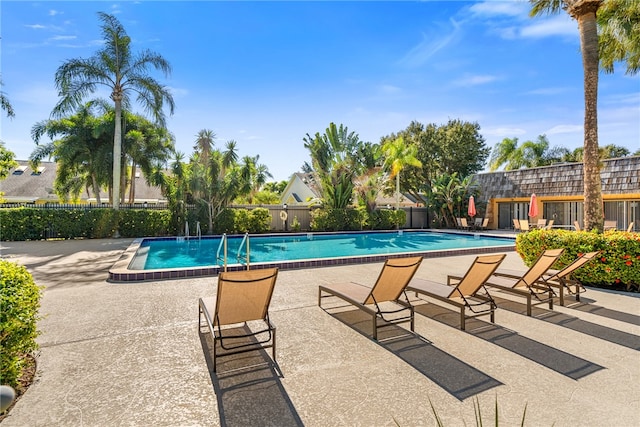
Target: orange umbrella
(472, 207)
(533, 206)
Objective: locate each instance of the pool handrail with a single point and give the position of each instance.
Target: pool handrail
(238, 257)
(223, 243)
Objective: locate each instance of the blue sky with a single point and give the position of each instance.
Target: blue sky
(267, 73)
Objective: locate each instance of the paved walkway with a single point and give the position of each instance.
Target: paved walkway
(130, 354)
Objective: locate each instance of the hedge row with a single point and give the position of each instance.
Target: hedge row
(618, 264)
(18, 224)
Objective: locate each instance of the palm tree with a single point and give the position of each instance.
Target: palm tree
(81, 152)
(399, 156)
(204, 144)
(584, 12)
(5, 104)
(619, 22)
(123, 74)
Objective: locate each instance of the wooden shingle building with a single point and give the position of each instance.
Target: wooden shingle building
(559, 191)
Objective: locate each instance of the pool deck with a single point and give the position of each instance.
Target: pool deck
(130, 354)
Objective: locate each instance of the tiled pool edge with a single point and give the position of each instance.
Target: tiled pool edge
(120, 271)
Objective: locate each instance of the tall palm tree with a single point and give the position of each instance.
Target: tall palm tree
(619, 22)
(399, 156)
(584, 12)
(124, 74)
(204, 144)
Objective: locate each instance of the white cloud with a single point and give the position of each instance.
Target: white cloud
(564, 129)
(36, 26)
(178, 92)
(499, 8)
(429, 46)
(559, 25)
(547, 91)
(59, 38)
(389, 89)
(475, 80)
(54, 12)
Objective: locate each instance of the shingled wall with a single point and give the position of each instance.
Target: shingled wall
(619, 176)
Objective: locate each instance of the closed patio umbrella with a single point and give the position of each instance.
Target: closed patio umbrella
(472, 207)
(533, 206)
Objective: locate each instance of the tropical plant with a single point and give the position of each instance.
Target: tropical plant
(455, 147)
(528, 155)
(7, 161)
(335, 161)
(447, 196)
(5, 104)
(619, 23)
(399, 156)
(82, 152)
(584, 12)
(124, 74)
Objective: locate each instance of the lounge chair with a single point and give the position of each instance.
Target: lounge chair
(542, 223)
(630, 227)
(524, 225)
(389, 287)
(549, 225)
(530, 284)
(242, 296)
(576, 224)
(477, 224)
(563, 279)
(463, 292)
(610, 225)
(464, 224)
(516, 224)
(485, 223)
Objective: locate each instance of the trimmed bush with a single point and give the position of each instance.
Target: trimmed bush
(333, 219)
(19, 304)
(618, 264)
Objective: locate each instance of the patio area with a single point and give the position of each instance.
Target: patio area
(131, 354)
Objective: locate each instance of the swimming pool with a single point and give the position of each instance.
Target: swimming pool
(164, 258)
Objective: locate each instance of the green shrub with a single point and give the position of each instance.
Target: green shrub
(335, 219)
(19, 304)
(260, 220)
(241, 221)
(617, 265)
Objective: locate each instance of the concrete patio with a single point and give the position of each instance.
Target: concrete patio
(130, 354)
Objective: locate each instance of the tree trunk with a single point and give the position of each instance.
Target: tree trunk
(132, 186)
(96, 188)
(117, 153)
(585, 13)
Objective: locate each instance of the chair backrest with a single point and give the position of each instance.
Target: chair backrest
(459, 222)
(516, 224)
(464, 223)
(579, 262)
(542, 264)
(630, 227)
(542, 223)
(485, 222)
(576, 224)
(478, 222)
(610, 224)
(479, 272)
(549, 225)
(524, 224)
(394, 277)
(244, 295)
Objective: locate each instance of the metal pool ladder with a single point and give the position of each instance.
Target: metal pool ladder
(223, 247)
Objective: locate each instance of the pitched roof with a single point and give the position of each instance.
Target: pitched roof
(26, 185)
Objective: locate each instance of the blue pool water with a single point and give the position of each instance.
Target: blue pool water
(180, 253)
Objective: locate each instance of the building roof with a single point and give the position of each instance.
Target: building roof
(24, 185)
(619, 176)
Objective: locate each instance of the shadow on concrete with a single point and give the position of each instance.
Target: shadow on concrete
(557, 360)
(248, 389)
(458, 378)
(621, 316)
(606, 333)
